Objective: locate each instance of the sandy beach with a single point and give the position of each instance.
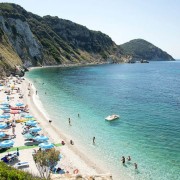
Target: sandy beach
(72, 157)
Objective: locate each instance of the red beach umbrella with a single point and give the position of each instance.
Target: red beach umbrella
(15, 112)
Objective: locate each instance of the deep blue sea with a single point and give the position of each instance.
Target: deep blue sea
(147, 98)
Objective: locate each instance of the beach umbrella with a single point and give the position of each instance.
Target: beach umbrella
(35, 129)
(2, 116)
(46, 145)
(29, 136)
(28, 116)
(5, 116)
(3, 107)
(2, 134)
(3, 125)
(6, 144)
(31, 123)
(41, 138)
(5, 103)
(14, 111)
(20, 104)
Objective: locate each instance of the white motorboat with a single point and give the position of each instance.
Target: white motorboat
(112, 117)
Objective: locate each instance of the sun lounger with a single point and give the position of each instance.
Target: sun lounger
(21, 164)
(13, 157)
(58, 171)
(6, 138)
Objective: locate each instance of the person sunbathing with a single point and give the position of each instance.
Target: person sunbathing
(5, 159)
(58, 170)
(63, 143)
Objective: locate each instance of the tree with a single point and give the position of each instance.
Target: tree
(46, 160)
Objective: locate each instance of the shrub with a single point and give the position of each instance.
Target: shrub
(10, 173)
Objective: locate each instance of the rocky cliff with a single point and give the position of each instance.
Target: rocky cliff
(31, 40)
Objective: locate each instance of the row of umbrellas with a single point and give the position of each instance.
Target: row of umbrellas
(10, 143)
(5, 116)
(43, 139)
(5, 104)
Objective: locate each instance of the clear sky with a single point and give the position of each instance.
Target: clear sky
(157, 21)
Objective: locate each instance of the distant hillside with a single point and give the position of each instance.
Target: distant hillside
(28, 40)
(142, 49)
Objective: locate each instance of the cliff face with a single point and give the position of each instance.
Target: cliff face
(9, 59)
(22, 39)
(32, 40)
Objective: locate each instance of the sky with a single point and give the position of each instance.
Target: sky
(157, 21)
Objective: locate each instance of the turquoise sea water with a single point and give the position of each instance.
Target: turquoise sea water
(146, 96)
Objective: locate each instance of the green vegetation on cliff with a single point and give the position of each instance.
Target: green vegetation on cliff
(142, 49)
(79, 36)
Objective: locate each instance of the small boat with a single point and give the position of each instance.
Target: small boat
(112, 117)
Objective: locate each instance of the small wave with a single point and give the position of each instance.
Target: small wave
(38, 102)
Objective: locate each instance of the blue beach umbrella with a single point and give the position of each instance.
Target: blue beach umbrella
(31, 123)
(7, 144)
(41, 138)
(20, 104)
(2, 134)
(5, 103)
(3, 125)
(28, 136)
(28, 116)
(46, 145)
(35, 129)
(3, 107)
(5, 116)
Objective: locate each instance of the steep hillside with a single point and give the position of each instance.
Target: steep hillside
(79, 36)
(8, 57)
(30, 40)
(142, 49)
(50, 40)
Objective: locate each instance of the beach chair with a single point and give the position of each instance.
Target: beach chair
(6, 138)
(13, 157)
(21, 164)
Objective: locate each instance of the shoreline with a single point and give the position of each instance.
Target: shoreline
(75, 158)
(67, 65)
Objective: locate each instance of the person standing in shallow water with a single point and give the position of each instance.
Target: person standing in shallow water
(94, 140)
(123, 160)
(69, 121)
(135, 166)
(129, 158)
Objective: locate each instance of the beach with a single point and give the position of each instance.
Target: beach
(72, 159)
